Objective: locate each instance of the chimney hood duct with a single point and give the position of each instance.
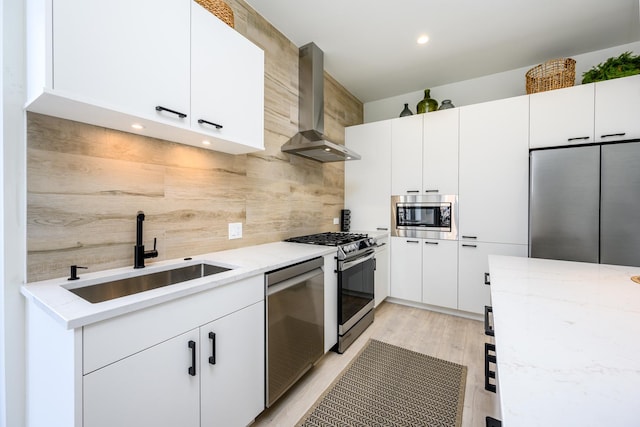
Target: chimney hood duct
(309, 141)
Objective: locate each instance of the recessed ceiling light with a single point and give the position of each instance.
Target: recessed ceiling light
(137, 126)
(327, 149)
(205, 142)
(423, 39)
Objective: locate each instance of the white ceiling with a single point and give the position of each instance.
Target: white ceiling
(370, 45)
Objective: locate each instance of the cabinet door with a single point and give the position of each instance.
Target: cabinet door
(227, 75)
(381, 278)
(367, 183)
(618, 109)
(406, 155)
(562, 117)
(494, 171)
(123, 55)
(440, 273)
(440, 152)
(406, 269)
(232, 383)
(150, 388)
(330, 302)
(473, 292)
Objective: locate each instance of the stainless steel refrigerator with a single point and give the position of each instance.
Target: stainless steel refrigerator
(584, 204)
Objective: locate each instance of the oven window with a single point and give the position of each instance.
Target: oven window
(356, 289)
(424, 216)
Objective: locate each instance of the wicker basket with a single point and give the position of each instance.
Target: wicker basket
(553, 74)
(219, 9)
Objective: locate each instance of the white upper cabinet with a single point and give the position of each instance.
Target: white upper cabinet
(406, 155)
(494, 171)
(102, 52)
(367, 182)
(440, 152)
(229, 81)
(617, 108)
(152, 63)
(562, 117)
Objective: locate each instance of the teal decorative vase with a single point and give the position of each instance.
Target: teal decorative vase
(427, 104)
(406, 111)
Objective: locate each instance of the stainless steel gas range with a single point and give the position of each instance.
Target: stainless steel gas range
(355, 266)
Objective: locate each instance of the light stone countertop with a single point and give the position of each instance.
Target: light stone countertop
(567, 342)
(72, 311)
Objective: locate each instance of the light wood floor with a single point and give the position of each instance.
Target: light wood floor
(444, 336)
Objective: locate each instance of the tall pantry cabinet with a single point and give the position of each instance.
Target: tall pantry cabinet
(493, 200)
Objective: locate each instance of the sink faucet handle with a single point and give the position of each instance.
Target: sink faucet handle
(74, 272)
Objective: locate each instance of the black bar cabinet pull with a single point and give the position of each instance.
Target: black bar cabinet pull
(578, 138)
(413, 191)
(488, 329)
(487, 278)
(469, 237)
(177, 113)
(212, 358)
(192, 368)
(217, 126)
(488, 373)
(469, 246)
(382, 229)
(413, 241)
(613, 134)
(430, 191)
(430, 243)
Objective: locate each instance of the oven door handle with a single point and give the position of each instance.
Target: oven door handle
(347, 265)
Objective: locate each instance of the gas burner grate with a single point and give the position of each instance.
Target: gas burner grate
(328, 239)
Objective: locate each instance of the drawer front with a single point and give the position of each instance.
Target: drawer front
(114, 339)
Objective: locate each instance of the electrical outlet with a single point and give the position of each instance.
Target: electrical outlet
(235, 230)
(336, 221)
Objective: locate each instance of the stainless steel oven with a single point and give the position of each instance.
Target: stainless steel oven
(428, 216)
(355, 269)
(355, 296)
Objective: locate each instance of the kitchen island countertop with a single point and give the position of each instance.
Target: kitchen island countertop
(567, 342)
(73, 311)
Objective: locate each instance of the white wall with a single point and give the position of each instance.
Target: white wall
(488, 88)
(12, 214)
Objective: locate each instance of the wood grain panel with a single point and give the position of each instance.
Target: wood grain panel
(86, 183)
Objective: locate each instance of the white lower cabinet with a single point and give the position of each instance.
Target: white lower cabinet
(209, 376)
(231, 384)
(156, 366)
(406, 269)
(425, 271)
(381, 278)
(330, 302)
(473, 275)
(150, 388)
(440, 273)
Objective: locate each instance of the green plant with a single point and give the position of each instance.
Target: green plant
(624, 65)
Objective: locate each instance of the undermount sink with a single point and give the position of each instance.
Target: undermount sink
(132, 285)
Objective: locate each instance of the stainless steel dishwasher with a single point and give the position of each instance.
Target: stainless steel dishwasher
(295, 324)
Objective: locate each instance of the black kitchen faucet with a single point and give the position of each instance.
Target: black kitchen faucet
(139, 254)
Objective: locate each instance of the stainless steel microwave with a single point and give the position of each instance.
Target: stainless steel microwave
(428, 216)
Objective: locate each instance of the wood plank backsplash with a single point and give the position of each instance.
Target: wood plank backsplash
(86, 183)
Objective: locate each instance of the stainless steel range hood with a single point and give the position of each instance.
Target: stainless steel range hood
(309, 141)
